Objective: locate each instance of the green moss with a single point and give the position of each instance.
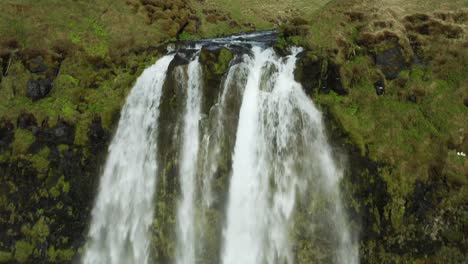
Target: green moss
(23, 250)
(225, 56)
(40, 161)
(61, 186)
(23, 140)
(40, 231)
(59, 255)
(5, 257)
(63, 147)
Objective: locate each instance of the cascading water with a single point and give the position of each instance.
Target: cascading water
(124, 206)
(280, 150)
(185, 213)
(249, 179)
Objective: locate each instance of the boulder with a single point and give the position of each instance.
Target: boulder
(63, 133)
(38, 89)
(379, 87)
(391, 62)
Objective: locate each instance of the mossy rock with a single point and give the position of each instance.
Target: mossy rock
(5, 257)
(23, 140)
(215, 62)
(23, 251)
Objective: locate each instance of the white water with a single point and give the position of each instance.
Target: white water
(280, 150)
(185, 212)
(124, 206)
(215, 133)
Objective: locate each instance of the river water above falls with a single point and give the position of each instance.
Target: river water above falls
(220, 164)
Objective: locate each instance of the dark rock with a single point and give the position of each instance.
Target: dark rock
(62, 133)
(38, 89)
(26, 121)
(181, 58)
(308, 71)
(379, 87)
(37, 65)
(333, 79)
(6, 134)
(97, 135)
(391, 62)
(465, 102)
(239, 51)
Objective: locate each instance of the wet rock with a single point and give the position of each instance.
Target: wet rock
(215, 60)
(379, 87)
(391, 62)
(26, 121)
(181, 58)
(38, 89)
(215, 63)
(308, 71)
(37, 65)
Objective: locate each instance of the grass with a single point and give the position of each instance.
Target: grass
(94, 26)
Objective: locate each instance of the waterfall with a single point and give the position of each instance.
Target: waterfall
(185, 212)
(281, 150)
(124, 206)
(247, 175)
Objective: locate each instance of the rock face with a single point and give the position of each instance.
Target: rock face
(315, 72)
(309, 71)
(38, 89)
(55, 177)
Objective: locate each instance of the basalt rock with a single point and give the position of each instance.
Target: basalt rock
(379, 87)
(38, 89)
